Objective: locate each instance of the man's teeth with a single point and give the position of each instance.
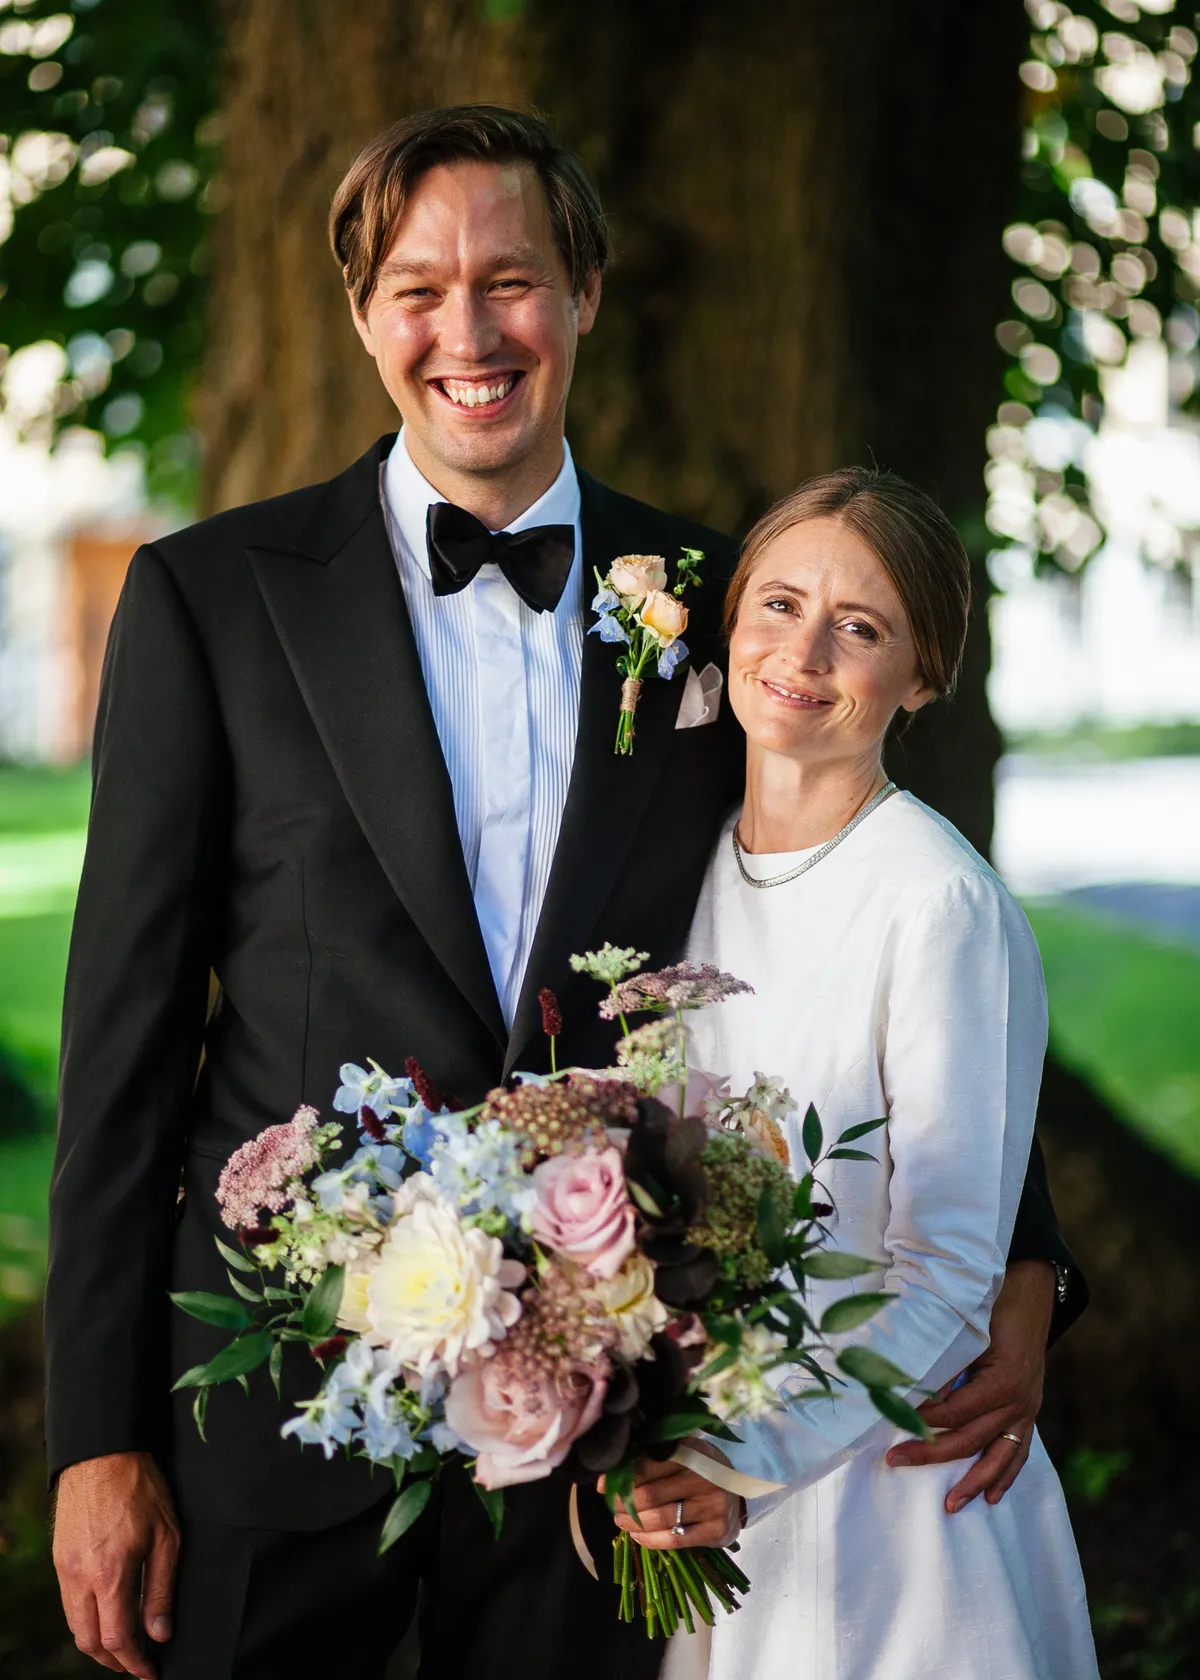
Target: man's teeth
(475, 396)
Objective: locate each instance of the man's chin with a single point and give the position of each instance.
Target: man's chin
(486, 454)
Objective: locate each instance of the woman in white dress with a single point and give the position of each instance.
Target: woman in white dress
(893, 974)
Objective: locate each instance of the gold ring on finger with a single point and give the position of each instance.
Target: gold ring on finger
(1016, 1440)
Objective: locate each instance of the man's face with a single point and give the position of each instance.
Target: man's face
(473, 325)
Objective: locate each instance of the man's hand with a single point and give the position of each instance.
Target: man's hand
(116, 1539)
(1001, 1396)
(667, 1496)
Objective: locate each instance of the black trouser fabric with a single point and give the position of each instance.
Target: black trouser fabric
(261, 1604)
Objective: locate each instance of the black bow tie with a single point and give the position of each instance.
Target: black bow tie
(536, 562)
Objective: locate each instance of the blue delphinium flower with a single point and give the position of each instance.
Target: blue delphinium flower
(670, 657)
(480, 1170)
(377, 1091)
(608, 630)
(606, 601)
(420, 1135)
(331, 1418)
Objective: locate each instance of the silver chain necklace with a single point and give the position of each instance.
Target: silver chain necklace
(885, 792)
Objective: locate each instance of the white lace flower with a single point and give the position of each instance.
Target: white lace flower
(439, 1295)
(744, 1388)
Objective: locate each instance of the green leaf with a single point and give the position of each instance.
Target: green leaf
(244, 1290)
(246, 1353)
(812, 1134)
(275, 1365)
(872, 1369)
(770, 1229)
(802, 1200)
(492, 1500)
(199, 1408)
(795, 1314)
(722, 1362)
(852, 1132)
(406, 1508)
(899, 1412)
(422, 1461)
(825, 1265)
(644, 1200)
(321, 1308)
(851, 1155)
(234, 1258)
(213, 1309)
(618, 1485)
(678, 1424)
(851, 1311)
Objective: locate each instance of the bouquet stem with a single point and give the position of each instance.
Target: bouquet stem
(631, 690)
(667, 1587)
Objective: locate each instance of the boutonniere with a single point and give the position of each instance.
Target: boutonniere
(637, 610)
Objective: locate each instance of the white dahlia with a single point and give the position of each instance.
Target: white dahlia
(439, 1296)
(629, 1301)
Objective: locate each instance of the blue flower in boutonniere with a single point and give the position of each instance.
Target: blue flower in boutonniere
(636, 608)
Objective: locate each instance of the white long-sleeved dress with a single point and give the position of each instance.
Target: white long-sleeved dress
(898, 977)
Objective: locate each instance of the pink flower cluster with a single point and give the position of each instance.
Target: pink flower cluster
(681, 986)
(262, 1173)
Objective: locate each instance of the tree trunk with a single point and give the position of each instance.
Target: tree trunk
(807, 202)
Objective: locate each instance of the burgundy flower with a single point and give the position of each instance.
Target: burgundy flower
(425, 1088)
(552, 1022)
(372, 1125)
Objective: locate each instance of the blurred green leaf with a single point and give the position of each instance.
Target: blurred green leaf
(405, 1510)
(852, 1311)
(811, 1133)
(826, 1265)
(213, 1309)
(321, 1308)
(872, 1369)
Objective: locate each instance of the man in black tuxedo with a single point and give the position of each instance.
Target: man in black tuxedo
(354, 758)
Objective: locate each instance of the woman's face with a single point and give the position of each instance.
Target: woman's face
(822, 655)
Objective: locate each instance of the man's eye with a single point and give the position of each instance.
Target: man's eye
(509, 285)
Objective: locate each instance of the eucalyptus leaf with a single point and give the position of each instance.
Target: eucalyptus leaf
(831, 1265)
(241, 1261)
(899, 1412)
(244, 1354)
(770, 1229)
(405, 1510)
(851, 1311)
(492, 1500)
(812, 1134)
(802, 1200)
(275, 1364)
(321, 1308)
(213, 1309)
(872, 1369)
(861, 1130)
(678, 1424)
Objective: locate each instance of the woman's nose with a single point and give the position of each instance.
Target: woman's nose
(809, 646)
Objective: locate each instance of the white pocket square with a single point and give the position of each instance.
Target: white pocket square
(701, 698)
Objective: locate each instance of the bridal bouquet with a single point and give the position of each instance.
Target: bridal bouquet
(574, 1272)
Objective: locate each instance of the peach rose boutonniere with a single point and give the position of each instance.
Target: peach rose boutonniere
(647, 620)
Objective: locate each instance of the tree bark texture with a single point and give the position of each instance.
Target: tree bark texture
(806, 202)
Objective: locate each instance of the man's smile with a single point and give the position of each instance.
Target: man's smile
(488, 393)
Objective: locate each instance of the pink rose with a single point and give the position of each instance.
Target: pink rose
(522, 1421)
(583, 1209)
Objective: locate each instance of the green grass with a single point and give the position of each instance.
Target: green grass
(43, 801)
(1097, 742)
(1125, 1012)
(33, 962)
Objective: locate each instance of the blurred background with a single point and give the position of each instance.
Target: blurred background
(963, 241)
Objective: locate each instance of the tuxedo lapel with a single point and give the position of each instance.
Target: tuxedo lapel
(608, 794)
(338, 608)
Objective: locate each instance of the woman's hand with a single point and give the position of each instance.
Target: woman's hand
(668, 1495)
(1000, 1398)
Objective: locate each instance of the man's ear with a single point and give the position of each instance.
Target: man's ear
(588, 303)
(361, 326)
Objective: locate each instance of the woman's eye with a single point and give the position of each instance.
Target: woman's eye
(860, 629)
(779, 604)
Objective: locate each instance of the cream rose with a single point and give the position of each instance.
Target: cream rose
(665, 615)
(628, 1299)
(439, 1296)
(637, 575)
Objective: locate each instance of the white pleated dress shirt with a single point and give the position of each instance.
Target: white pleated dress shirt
(503, 684)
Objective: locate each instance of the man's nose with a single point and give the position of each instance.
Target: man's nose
(466, 328)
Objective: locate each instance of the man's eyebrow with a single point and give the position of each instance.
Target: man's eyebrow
(397, 268)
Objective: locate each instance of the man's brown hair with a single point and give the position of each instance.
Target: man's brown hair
(911, 538)
(370, 200)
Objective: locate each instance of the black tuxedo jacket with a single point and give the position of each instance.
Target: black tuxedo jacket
(271, 807)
